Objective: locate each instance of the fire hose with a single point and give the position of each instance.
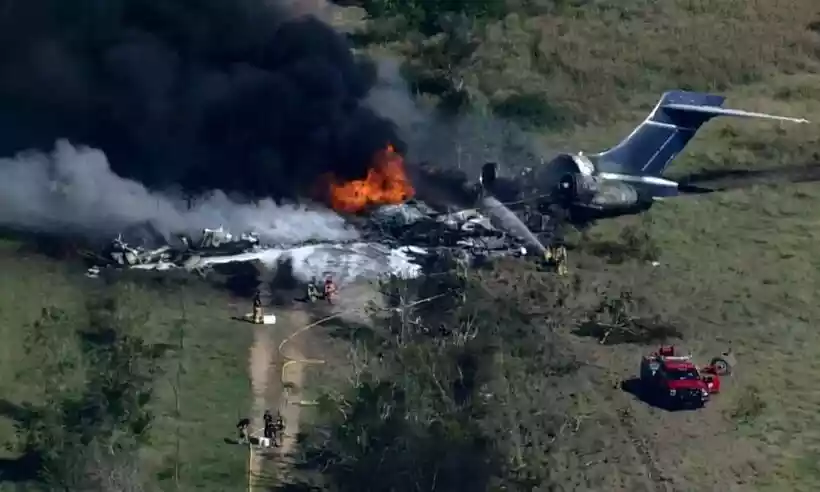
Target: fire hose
(290, 361)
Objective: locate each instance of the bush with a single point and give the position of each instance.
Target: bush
(639, 244)
(749, 406)
(531, 110)
(454, 395)
(86, 435)
(411, 421)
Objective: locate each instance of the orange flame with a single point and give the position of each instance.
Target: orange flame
(386, 183)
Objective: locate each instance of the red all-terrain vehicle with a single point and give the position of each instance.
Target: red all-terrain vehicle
(673, 381)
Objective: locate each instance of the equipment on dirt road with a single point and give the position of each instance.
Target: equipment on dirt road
(257, 315)
(673, 381)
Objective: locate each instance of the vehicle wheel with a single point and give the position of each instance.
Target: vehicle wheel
(723, 365)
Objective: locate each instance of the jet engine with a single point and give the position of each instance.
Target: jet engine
(593, 191)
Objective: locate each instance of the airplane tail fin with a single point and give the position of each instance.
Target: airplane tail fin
(652, 145)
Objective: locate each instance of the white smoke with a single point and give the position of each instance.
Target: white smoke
(74, 190)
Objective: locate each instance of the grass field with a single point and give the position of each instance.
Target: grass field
(737, 268)
(213, 385)
(741, 268)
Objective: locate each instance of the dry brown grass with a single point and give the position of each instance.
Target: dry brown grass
(597, 60)
(744, 266)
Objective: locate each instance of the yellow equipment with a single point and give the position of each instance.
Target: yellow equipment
(560, 255)
(556, 256)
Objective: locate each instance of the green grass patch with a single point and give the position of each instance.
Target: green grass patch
(209, 374)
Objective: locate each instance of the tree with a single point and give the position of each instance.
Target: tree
(89, 435)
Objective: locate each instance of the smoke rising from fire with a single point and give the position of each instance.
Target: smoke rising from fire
(241, 95)
(204, 95)
(73, 190)
(466, 140)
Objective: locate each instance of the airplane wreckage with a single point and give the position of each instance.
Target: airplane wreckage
(395, 239)
(493, 216)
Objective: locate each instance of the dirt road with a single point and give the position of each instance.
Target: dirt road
(276, 367)
(260, 361)
(277, 363)
(292, 364)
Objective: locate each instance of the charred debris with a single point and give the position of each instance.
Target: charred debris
(414, 228)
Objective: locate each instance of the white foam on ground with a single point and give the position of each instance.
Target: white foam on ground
(346, 262)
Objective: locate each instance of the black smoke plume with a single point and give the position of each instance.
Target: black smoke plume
(233, 95)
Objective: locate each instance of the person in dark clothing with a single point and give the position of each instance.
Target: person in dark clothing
(242, 427)
(269, 429)
(257, 308)
(279, 426)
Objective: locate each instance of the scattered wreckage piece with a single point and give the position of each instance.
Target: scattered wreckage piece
(222, 241)
(120, 254)
(466, 234)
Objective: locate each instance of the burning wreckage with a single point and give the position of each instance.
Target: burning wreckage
(395, 239)
(396, 233)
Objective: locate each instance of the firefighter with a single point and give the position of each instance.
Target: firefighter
(257, 308)
(313, 290)
(560, 258)
(330, 289)
(278, 429)
(269, 427)
(242, 428)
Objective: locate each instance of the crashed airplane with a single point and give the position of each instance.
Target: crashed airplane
(494, 217)
(628, 178)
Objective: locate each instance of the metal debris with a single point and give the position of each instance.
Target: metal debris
(413, 229)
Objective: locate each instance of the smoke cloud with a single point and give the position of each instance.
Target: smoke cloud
(466, 140)
(242, 95)
(74, 190)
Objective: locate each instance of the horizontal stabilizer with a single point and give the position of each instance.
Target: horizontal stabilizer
(718, 111)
